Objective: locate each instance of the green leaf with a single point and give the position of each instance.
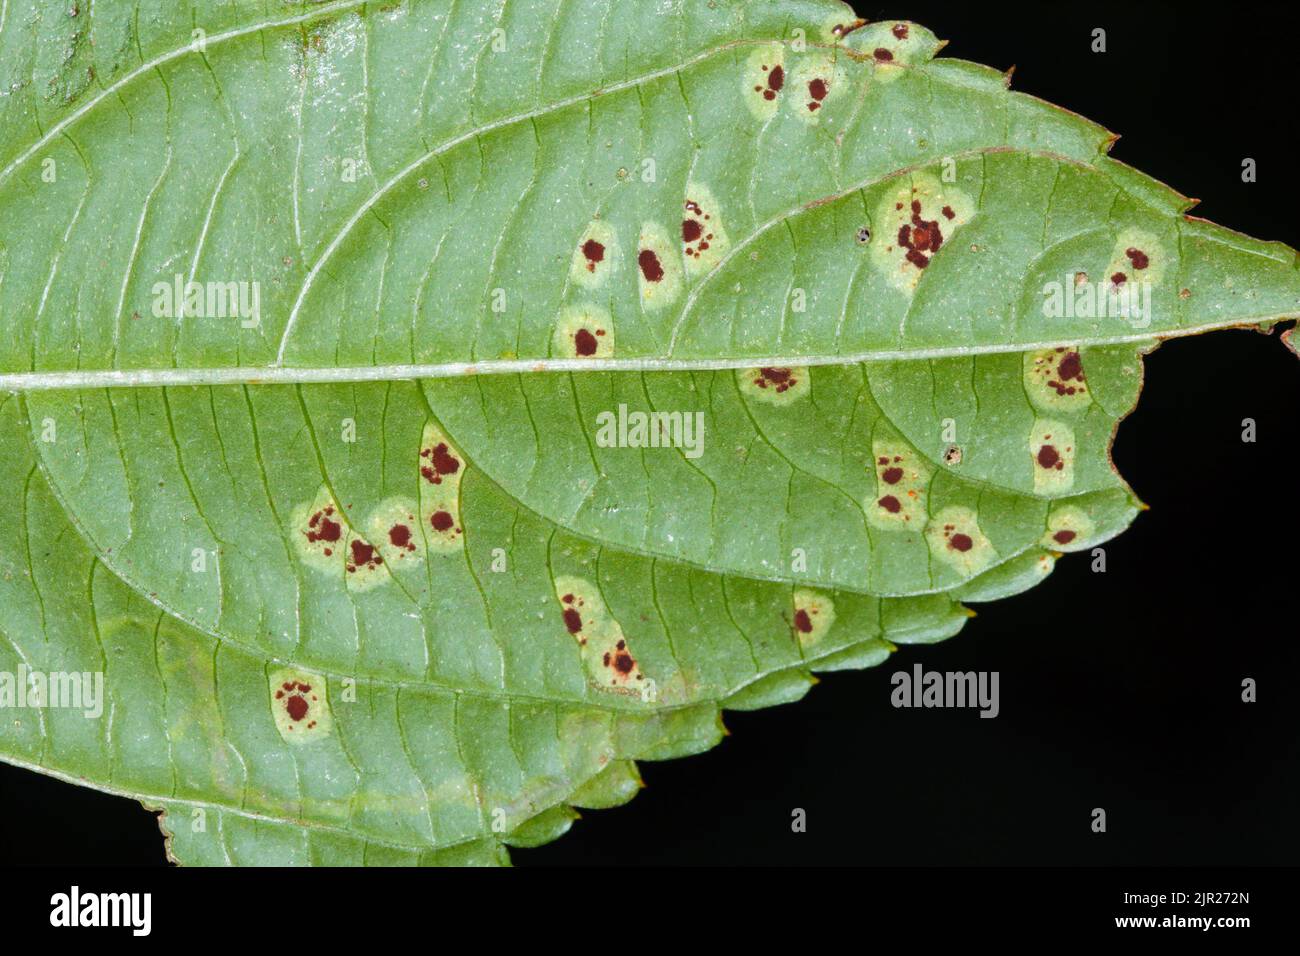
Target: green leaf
(248, 269)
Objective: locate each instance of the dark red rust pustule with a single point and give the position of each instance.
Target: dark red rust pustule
(650, 265)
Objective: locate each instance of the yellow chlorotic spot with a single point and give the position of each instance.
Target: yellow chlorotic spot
(816, 81)
(1051, 449)
(1068, 529)
(955, 539)
(606, 655)
(776, 386)
(704, 238)
(902, 478)
(659, 267)
(584, 331)
(442, 467)
(299, 705)
(394, 527)
(915, 220)
(597, 254)
(1055, 379)
(813, 616)
(1138, 258)
(764, 80)
(320, 533)
(892, 45)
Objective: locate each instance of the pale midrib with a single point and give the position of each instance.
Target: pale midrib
(307, 375)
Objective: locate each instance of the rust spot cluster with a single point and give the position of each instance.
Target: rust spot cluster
(322, 527)
(1069, 368)
(620, 660)
(779, 379)
(818, 89)
(294, 695)
(439, 461)
(1048, 458)
(362, 556)
(921, 237)
(775, 81)
(891, 475)
(573, 617)
(695, 230)
(594, 253)
(1137, 259)
(957, 540)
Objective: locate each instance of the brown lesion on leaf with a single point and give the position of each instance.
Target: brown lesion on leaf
(775, 80)
(324, 529)
(320, 531)
(955, 539)
(1069, 528)
(704, 239)
(659, 269)
(773, 385)
(362, 556)
(915, 220)
(596, 256)
(1052, 453)
(902, 479)
(764, 80)
(1138, 257)
(1056, 380)
(299, 705)
(607, 657)
(585, 331)
(438, 463)
(840, 29)
(441, 470)
(394, 528)
(814, 613)
(363, 564)
(817, 78)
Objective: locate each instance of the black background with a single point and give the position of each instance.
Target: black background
(1119, 690)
